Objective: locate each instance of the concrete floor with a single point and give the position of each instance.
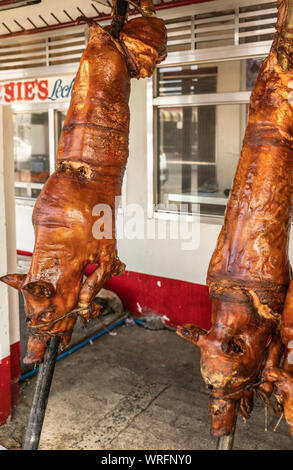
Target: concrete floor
(138, 389)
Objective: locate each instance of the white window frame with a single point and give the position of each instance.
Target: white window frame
(40, 108)
(227, 53)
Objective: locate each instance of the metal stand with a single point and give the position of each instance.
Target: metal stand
(226, 442)
(38, 410)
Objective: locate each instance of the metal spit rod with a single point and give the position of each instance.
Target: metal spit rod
(43, 386)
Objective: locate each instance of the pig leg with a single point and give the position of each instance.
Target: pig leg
(284, 391)
(246, 404)
(275, 353)
(94, 284)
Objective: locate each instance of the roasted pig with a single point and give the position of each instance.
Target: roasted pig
(90, 164)
(249, 272)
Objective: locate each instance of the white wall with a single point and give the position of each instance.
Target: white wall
(9, 330)
(24, 228)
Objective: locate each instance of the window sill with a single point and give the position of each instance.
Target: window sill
(204, 219)
(25, 201)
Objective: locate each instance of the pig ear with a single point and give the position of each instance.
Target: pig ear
(40, 289)
(14, 280)
(192, 333)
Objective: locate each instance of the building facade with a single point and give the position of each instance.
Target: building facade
(187, 126)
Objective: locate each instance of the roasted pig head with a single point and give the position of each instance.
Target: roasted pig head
(45, 304)
(233, 353)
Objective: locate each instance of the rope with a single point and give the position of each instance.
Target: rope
(46, 325)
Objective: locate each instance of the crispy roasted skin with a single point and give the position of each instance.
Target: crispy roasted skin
(249, 271)
(287, 318)
(91, 160)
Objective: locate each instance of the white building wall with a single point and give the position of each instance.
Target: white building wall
(24, 228)
(9, 331)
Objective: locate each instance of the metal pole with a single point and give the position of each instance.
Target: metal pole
(226, 442)
(38, 410)
(120, 9)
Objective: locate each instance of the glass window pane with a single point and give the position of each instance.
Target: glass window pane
(31, 153)
(199, 148)
(217, 77)
(59, 123)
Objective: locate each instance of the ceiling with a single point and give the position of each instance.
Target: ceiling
(51, 14)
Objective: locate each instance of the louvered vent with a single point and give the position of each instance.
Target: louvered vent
(60, 48)
(180, 34)
(209, 28)
(19, 56)
(214, 28)
(65, 50)
(257, 23)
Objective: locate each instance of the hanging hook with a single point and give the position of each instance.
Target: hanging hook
(85, 19)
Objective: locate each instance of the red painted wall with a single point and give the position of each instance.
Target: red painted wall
(15, 372)
(9, 387)
(182, 302)
(5, 389)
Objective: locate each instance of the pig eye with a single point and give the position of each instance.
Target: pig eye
(226, 346)
(44, 314)
(236, 346)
